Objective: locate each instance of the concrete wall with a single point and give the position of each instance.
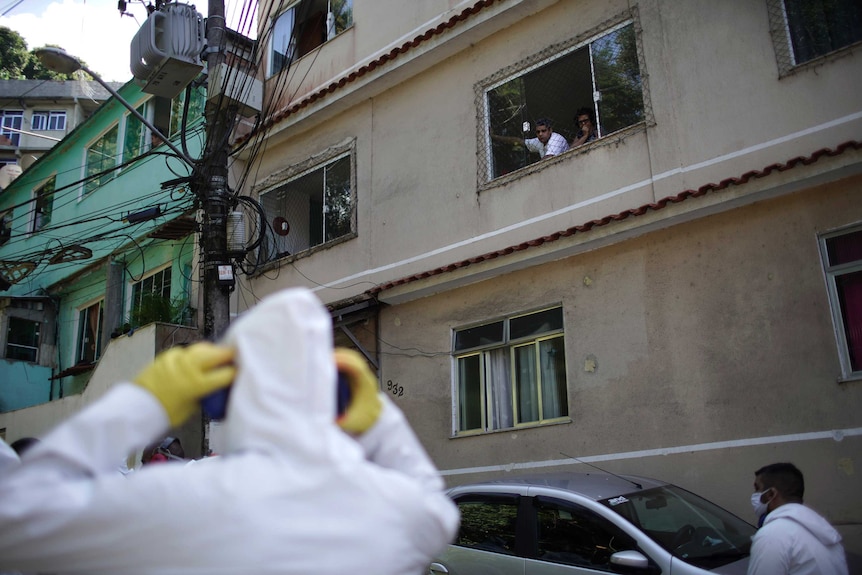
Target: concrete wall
(25, 384)
(714, 352)
(720, 111)
(122, 360)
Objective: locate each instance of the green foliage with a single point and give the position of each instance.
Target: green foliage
(338, 200)
(13, 54)
(154, 307)
(618, 78)
(34, 70)
(17, 63)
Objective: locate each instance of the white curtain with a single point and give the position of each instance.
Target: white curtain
(499, 389)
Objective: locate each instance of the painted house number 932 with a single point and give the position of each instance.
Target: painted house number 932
(394, 388)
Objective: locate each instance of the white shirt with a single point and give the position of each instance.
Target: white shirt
(556, 145)
(292, 494)
(795, 540)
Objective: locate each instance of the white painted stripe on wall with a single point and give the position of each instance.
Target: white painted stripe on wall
(835, 435)
(601, 198)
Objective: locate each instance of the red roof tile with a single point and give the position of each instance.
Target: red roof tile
(639, 211)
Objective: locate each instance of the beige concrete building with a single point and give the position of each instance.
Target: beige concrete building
(36, 114)
(678, 298)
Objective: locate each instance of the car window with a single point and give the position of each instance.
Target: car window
(573, 535)
(686, 525)
(488, 523)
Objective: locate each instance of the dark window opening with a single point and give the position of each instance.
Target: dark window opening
(22, 339)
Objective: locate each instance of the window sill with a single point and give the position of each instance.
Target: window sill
(561, 421)
(818, 60)
(285, 259)
(852, 378)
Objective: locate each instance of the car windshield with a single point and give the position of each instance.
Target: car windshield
(688, 526)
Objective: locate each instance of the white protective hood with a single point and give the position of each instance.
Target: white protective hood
(293, 494)
(285, 385)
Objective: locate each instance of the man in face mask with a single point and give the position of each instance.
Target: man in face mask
(793, 539)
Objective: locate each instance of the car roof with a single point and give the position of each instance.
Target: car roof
(595, 486)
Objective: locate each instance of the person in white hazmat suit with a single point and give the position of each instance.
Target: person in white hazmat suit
(294, 492)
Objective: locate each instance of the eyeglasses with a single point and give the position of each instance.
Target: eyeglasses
(582, 122)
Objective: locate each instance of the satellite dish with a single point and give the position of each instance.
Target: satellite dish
(8, 173)
(27, 161)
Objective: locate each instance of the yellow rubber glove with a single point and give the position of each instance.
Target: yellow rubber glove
(181, 376)
(365, 405)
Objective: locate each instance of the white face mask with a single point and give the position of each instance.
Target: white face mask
(759, 507)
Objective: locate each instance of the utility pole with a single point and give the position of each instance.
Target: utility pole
(212, 180)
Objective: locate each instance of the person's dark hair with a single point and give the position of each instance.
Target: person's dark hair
(23, 444)
(544, 122)
(784, 478)
(584, 112)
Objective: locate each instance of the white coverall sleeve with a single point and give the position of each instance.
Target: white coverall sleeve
(45, 494)
(391, 443)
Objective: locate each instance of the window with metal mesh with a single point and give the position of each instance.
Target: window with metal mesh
(602, 74)
(308, 210)
(804, 30)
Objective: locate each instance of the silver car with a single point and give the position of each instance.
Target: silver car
(566, 523)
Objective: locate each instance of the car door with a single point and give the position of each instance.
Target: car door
(571, 539)
(488, 540)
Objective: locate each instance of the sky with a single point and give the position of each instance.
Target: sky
(92, 30)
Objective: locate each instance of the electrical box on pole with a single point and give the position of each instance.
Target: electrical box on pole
(233, 86)
(166, 51)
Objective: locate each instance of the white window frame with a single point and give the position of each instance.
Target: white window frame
(39, 121)
(79, 330)
(831, 273)
(487, 364)
(57, 120)
(48, 120)
(8, 124)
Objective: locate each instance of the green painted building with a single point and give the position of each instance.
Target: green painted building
(96, 239)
